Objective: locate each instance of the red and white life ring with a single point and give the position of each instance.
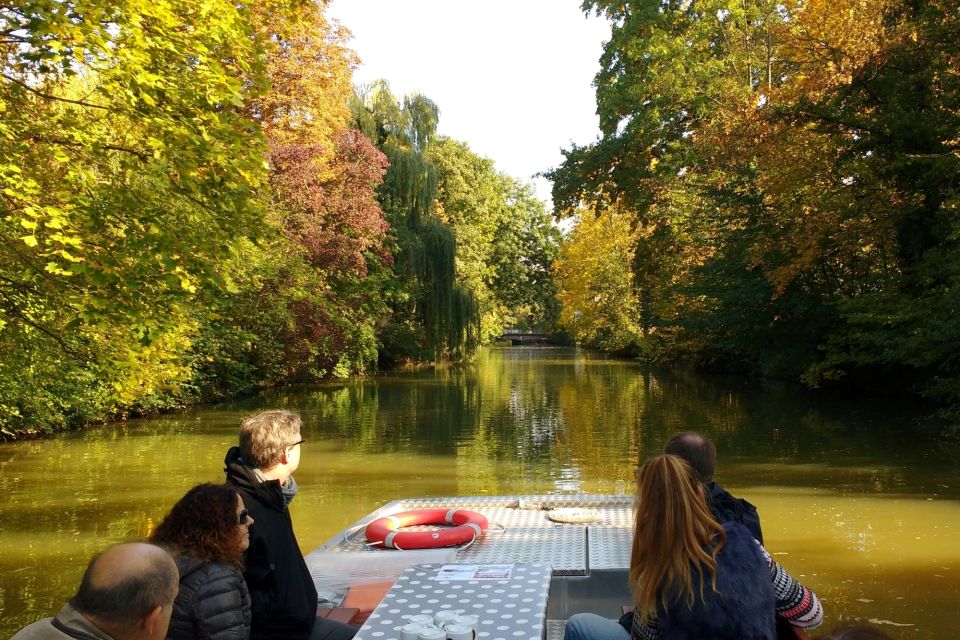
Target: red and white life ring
(467, 526)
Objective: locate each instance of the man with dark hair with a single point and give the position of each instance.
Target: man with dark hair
(282, 593)
(126, 593)
(701, 454)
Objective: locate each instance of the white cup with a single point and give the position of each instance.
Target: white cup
(410, 631)
(444, 617)
(421, 619)
(467, 620)
(459, 632)
(431, 632)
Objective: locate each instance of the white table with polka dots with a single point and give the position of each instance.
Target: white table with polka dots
(511, 609)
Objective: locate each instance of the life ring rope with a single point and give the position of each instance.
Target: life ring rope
(464, 527)
(470, 542)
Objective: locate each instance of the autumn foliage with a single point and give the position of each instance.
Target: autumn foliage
(149, 256)
(190, 211)
(797, 165)
(329, 207)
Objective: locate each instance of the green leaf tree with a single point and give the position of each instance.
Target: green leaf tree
(434, 316)
(128, 169)
(794, 168)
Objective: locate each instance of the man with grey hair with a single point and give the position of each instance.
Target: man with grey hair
(283, 596)
(126, 593)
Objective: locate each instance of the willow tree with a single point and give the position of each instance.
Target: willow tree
(433, 316)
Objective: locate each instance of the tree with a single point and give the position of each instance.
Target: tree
(185, 213)
(309, 68)
(309, 295)
(128, 170)
(888, 104)
(433, 316)
(470, 201)
(524, 249)
(599, 304)
(505, 241)
(796, 166)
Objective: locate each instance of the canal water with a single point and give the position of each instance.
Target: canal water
(852, 502)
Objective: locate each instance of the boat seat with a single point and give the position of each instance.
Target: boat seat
(364, 598)
(338, 614)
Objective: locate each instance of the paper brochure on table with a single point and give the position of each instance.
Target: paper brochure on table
(474, 572)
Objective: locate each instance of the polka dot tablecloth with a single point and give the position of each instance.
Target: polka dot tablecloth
(511, 609)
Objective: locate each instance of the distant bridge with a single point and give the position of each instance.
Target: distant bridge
(518, 337)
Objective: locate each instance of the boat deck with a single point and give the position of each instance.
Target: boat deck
(588, 561)
(520, 531)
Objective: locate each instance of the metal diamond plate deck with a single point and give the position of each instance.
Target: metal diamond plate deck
(521, 532)
(555, 629)
(509, 518)
(609, 547)
(563, 546)
(615, 516)
(545, 501)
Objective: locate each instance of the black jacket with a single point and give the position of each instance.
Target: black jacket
(282, 592)
(725, 508)
(213, 602)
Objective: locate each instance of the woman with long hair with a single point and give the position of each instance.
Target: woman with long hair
(692, 577)
(207, 532)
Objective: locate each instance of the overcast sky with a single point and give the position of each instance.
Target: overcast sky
(512, 78)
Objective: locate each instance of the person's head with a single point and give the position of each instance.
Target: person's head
(697, 450)
(271, 438)
(855, 632)
(128, 591)
(210, 522)
(673, 533)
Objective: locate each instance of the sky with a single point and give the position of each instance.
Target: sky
(512, 78)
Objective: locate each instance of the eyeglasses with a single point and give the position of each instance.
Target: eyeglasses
(300, 441)
(243, 516)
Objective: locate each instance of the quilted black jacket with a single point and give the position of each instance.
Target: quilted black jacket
(213, 602)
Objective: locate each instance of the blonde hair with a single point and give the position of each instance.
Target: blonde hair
(673, 535)
(264, 436)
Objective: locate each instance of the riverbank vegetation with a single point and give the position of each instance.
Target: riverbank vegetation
(781, 183)
(196, 205)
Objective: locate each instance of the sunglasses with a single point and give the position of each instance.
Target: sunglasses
(300, 441)
(243, 516)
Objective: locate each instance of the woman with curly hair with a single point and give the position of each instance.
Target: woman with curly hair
(207, 532)
(693, 577)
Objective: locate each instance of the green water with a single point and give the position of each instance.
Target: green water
(861, 511)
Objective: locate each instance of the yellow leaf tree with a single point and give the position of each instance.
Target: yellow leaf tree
(595, 281)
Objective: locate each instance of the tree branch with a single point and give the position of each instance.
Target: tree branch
(110, 147)
(13, 310)
(47, 96)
